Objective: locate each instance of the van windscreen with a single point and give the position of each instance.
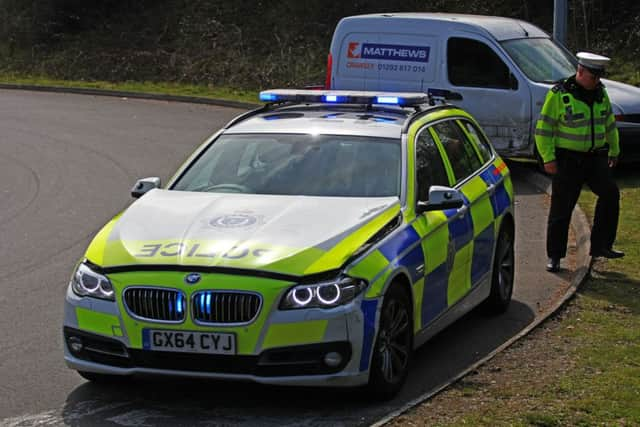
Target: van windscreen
(541, 59)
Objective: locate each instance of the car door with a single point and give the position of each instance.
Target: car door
(492, 90)
(471, 226)
(433, 229)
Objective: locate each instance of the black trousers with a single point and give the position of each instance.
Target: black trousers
(574, 170)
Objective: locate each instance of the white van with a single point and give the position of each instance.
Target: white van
(498, 69)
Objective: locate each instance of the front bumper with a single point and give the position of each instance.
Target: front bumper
(293, 355)
(297, 365)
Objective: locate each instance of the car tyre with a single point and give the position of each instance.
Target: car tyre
(503, 273)
(393, 346)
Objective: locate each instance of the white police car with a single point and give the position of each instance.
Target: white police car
(315, 241)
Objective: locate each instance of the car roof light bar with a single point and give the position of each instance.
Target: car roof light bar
(402, 99)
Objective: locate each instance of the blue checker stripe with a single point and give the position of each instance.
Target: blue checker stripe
(413, 260)
(460, 229)
(434, 296)
(489, 176)
(482, 253)
(500, 200)
(399, 243)
(368, 308)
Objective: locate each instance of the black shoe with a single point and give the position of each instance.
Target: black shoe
(607, 253)
(553, 265)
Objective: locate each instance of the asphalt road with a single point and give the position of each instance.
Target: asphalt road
(67, 163)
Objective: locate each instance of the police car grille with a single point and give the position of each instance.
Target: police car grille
(225, 307)
(165, 305)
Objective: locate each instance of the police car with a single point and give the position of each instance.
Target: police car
(317, 241)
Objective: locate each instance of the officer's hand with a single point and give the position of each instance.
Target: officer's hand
(551, 167)
(613, 161)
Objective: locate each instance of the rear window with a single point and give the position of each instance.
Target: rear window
(462, 156)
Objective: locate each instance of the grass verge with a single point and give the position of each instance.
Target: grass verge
(580, 368)
(227, 93)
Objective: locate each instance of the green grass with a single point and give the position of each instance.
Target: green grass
(142, 87)
(598, 337)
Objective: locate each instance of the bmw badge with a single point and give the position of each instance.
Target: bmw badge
(192, 278)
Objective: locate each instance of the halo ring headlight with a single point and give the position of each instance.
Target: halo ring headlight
(328, 299)
(299, 296)
(89, 282)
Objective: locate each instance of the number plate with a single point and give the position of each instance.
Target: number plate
(189, 342)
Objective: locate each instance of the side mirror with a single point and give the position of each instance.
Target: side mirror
(441, 198)
(144, 185)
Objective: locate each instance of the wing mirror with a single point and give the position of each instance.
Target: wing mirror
(144, 185)
(441, 198)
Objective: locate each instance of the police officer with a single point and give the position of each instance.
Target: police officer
(577, 139)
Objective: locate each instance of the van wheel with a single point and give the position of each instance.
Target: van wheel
(393, 347)
(503, 273)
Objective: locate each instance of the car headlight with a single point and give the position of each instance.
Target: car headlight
(86, 282)
(323, 295)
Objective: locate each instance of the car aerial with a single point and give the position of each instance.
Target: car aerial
(314, 241)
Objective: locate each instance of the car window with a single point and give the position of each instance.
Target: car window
(430, 168)
(478, 138)
(288, 164)
(462, 156)
(473, 63)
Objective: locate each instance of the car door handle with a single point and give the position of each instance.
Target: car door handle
(491, 188)
(463, 211)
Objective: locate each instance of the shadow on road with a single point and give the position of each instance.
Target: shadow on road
(167, 401)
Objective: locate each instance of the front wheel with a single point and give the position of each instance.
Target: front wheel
(392, 351)
(503, 273)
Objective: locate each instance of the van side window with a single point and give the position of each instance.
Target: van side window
(473, 63)
(478, 138)
(462, 156)
(429, 166)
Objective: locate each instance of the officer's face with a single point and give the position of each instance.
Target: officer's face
(587, 79)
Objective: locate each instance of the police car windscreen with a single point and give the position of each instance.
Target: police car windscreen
(288, 164)
(541, 59)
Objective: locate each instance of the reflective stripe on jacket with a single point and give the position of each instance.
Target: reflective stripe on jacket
(568, 122)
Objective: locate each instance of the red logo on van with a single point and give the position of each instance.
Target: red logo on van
(354, 50)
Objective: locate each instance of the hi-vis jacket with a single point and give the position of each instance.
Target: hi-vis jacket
(568, 122)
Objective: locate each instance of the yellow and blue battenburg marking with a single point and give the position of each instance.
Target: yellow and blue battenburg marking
(406, 240)
(471, 235)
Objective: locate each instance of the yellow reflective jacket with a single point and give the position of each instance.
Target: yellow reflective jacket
(567, 121)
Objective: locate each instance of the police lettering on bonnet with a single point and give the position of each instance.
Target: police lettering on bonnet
(577, 138)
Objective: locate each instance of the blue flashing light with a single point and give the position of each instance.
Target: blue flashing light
(179, 304)
(333, 98)
(201, 298)
(387, 100)
(384, 120)
(268, 97)
(170, 308)
(208, 302)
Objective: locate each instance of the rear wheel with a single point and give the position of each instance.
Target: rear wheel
(392, 351)
(503, 273)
